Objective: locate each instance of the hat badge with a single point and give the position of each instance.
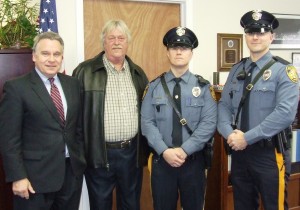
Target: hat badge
(180, 31)
(256, 15)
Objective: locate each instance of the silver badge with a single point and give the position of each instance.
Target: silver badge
(256, 15)
(267, 74)
(196, 91)
(180, 31)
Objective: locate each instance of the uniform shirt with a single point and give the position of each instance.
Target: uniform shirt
(200, 111)
(120, 111)
(272, 106)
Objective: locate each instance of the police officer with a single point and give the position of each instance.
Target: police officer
(178, 162)
(260, 156)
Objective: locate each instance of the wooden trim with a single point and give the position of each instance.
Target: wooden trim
(15, 51)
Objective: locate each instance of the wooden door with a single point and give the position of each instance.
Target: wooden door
(148, 23)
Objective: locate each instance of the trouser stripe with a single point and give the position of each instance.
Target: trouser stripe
(281, 180)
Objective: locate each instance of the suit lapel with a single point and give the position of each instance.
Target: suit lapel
(39, 88)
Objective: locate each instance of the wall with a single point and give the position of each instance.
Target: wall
(216, 16)
(209, 18)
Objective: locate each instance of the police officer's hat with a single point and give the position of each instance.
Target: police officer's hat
(180, 36)
(259, 21)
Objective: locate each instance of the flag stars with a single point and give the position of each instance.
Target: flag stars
(48, 18)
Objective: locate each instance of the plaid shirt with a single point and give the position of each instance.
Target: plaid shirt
(121, 111)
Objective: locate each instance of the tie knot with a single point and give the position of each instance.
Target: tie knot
(51, 80)
(177, 80)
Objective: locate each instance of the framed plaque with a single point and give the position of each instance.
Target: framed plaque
(230, 50)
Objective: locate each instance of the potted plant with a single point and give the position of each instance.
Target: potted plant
(18, 23)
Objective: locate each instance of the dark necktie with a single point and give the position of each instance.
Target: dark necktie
(245, 109)
(56, 98)
(177, 127)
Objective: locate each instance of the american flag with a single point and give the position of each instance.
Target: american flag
(48, 17)
(48, 20)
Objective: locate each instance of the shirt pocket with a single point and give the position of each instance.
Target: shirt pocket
(264, 95)
(160, 107)
(194, 108)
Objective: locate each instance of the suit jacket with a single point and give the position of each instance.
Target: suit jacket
(32, 139)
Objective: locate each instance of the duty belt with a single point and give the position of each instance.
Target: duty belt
(189, 157)
(281, 141)
(267, 142)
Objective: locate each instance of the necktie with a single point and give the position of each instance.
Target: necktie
(56, 98)
(245, 109)
(177, 127)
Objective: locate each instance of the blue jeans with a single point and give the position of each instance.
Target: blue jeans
(122, 174)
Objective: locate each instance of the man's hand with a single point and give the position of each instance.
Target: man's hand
(22, 188)
(174, 156)
(236, 140)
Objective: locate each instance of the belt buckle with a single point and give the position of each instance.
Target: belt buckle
(183, 121)
(124, 143)
(249, 87)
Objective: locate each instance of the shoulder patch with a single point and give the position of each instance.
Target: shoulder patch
(291, 71)
(145, 91)
(212, 92)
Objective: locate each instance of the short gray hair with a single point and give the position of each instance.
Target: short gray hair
(113, 24)
(48, 35)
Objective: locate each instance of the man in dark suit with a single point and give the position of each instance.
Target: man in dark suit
(41, 136)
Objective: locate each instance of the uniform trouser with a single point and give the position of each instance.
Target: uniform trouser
(67, 198)
(122, 174)
(188, 180)
(260, 171)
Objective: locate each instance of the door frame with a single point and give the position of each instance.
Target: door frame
(186, 20)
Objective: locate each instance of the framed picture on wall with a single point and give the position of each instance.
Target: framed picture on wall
(287, 35)
(229, 49)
